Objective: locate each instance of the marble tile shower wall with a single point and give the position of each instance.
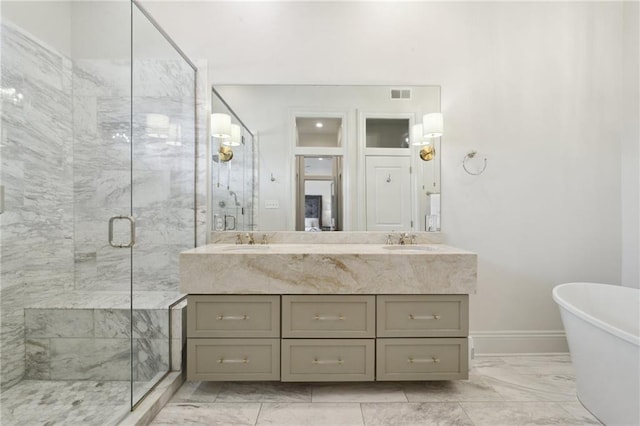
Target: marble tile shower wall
(162, 171)
(66, 169)
(36, 166)
(235, 175)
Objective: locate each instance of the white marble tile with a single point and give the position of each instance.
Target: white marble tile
(416, 414)
(521, 414)
(37, 359)
(358, 392)
(208, 414)
(555, 364)
(90, 359)
(310, 414)
(530, 387)
(477, 388)
(264, 392)
(198, 392)
(41, 323)
(150, 357)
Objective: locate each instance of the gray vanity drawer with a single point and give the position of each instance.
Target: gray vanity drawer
(233, 359)
(422, 359)
(423, 316)
(233, 316)
(327, 360)
(328, 316)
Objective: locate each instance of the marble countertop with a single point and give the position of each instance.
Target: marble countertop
(363, 249)
(328, 269)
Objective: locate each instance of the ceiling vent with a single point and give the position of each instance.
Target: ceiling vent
(398, 94)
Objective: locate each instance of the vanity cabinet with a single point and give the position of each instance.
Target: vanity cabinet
(233, 337)
(310, 338)
(422, 337)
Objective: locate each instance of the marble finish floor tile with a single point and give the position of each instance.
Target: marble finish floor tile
(500, 391)
(206, 392)
(264, 392)
(358, 392)
(415, 414)
(230, 413)
(42, 402)
(477, 388)
(531, 387)
(521, 414)
(553, 364)
(311, 414)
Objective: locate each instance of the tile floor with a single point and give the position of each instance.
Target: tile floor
(518, 390)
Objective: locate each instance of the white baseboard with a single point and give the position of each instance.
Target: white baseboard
(512, 342)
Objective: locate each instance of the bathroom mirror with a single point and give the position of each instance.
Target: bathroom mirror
(375, 178)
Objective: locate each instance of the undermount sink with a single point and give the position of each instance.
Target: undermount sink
(247, 247)
(410, 248)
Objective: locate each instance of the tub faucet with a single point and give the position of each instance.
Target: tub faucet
(403, 238)
(238, 239)
(250, 239)
(389, 241)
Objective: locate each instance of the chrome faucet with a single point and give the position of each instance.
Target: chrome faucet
(238, 239)
(389, 241)
(250, 239)
(264, 239)
(403, 239)
(412, 238)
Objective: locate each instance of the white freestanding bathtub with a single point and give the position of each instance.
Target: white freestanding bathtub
(602, 323)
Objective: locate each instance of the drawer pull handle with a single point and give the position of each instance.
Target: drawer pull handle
(424, 317)
(328, 318)
(233, 361)
(433, 359)
(330, 361)
(232, 317)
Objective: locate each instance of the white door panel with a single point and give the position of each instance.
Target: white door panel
(388, 193)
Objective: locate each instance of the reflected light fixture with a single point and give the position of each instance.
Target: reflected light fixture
(433, 125)
(319, 125)
(235, 136)
(417, 135)
(157, 126)
(220, 125)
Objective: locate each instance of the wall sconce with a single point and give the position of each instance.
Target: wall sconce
(235, 136)
(225, 154)
(220, 126)
(433, 125)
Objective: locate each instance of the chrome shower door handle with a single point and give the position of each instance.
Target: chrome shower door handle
(132, 235)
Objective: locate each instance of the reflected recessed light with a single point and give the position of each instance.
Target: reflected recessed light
(320, 158)
(319, 125)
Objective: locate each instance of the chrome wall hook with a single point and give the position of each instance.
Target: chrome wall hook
(469, 155)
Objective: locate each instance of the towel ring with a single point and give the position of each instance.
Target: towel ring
(472, 154)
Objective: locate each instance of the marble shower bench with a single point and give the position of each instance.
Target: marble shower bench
(87, 335)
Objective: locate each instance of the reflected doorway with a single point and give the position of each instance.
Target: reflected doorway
(319, 193)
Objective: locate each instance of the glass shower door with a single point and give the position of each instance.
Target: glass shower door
(163, 192)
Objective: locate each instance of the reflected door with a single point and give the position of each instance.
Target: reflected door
(388, 193)
(319, 193)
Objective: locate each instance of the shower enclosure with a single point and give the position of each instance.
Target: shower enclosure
(97, 166)
(233, 175)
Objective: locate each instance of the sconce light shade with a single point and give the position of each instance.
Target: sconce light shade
(235, 138)
(221, 125)
(417, 135)
(433, 125)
